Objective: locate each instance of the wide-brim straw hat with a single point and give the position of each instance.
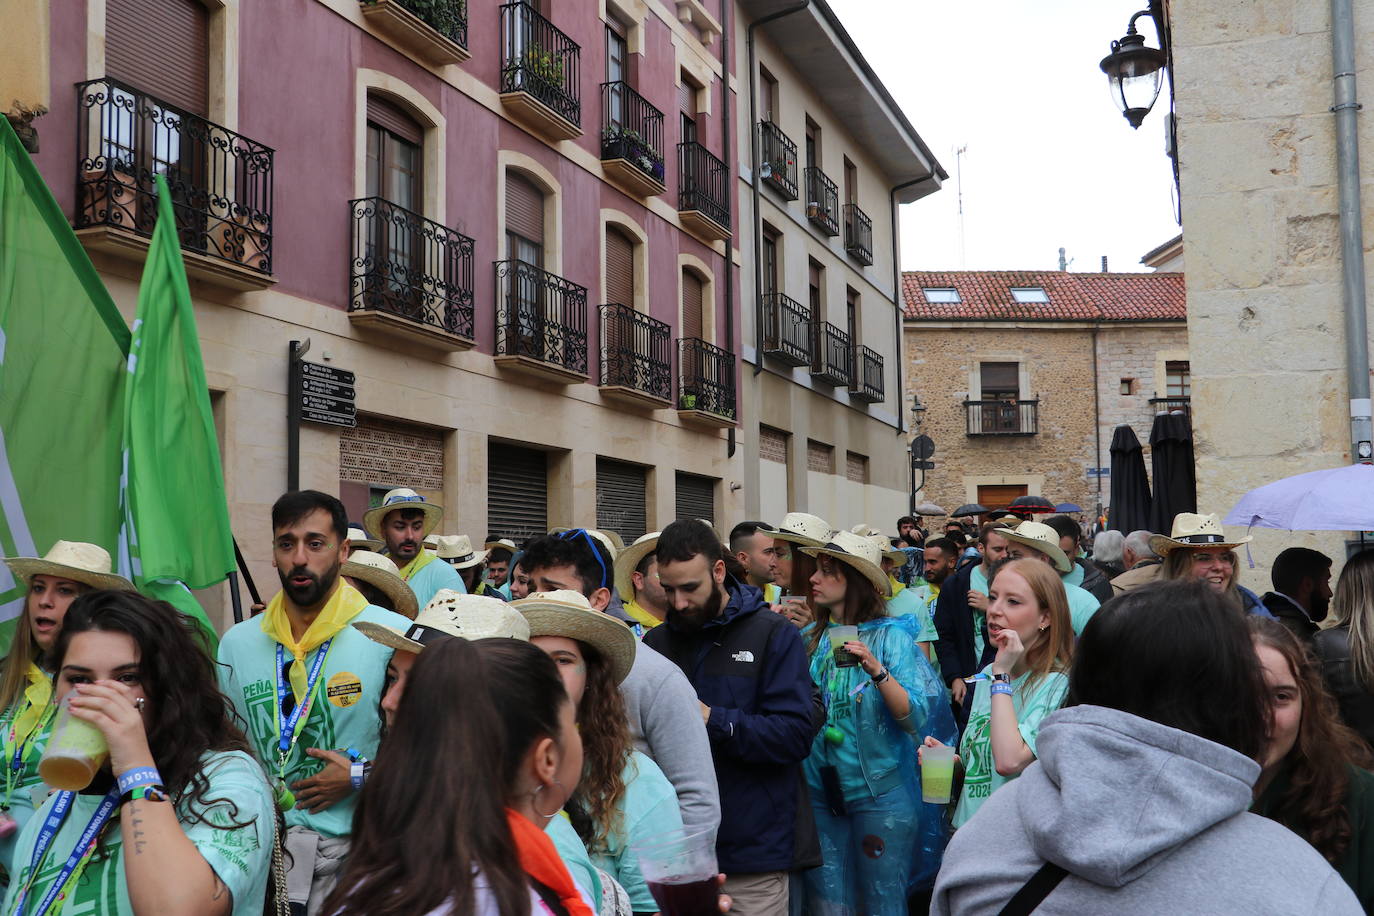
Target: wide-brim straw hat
(1195, 531)
(1039, 537)
(450, 613)
(628, 559)
(456, 550)
(358, 540)
(501, 544)
(403, 498)
(78, 561)
(375, 569)
(860, 553)
(804, 529)
(568, 614)
(882, 542)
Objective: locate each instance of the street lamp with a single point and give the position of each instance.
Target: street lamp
(1134, 73)
(918, 411)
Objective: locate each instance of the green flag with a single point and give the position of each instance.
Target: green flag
(62, 345)
(176, 520)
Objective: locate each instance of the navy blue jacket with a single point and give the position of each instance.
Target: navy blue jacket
(750, 667)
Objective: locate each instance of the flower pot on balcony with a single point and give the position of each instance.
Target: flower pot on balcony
(814, 211)
(687, 402)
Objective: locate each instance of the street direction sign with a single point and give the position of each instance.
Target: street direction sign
(328, 389)
(326, 373)
(923, 465)
(327, 394)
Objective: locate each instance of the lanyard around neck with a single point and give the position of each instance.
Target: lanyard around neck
(289, 727)
(80, 855)
(18, 752)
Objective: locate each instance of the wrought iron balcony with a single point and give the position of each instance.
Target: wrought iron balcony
(539, 62)
(220, 180)
(787, 329)
(868, 377)
(408, 267)
(858, 234)
(632, 133)
(541, 318)
(1003, 418)
(832, 354)
(436, 30)
(636, 354)
(703, 190)
(777, 160)
(822, 201)
(706, 379)
(1182, 405)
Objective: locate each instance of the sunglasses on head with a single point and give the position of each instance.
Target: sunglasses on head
(573, 535)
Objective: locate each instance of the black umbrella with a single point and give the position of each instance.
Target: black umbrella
(1026, 506)
(1129, 509)
(1171, 445)
(968, 509)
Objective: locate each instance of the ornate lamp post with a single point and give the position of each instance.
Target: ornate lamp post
(1135, 72)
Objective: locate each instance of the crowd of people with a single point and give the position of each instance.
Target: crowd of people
(413, 725)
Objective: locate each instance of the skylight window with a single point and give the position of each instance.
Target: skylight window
(1029, 294)
(941, 294)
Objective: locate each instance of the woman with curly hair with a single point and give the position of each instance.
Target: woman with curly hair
(623, 800)
(1313, 779)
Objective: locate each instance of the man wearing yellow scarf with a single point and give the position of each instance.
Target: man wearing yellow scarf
(308, 685)
(403, 521)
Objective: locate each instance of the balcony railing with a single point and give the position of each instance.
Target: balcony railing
(410, 267)
(631, 129)
(822, 201)
(539, 59)
(787, 329)
(703, 183)
(1182, 404)
(858, 234)
(868, 377)
(1003, 418)
(220, 180)
(635, 352)
(832, 354)
(540, 316)
(706, 378)
(777, 160)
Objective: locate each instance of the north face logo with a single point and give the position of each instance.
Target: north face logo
(744, 655)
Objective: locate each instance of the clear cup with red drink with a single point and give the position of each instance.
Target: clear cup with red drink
(680, 869)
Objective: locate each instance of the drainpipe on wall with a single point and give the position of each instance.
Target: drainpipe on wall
(1352, 227)
(898, 309)
(1097, 418)
(729, 248)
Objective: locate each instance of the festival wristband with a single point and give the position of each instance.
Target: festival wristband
(880, 677)
(357, 772)
(138, 776)
(1002, 688)
(153, 793)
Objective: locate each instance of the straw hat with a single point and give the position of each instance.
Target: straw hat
(889, 552)
(502, 544)
(1193, 530)
(456, 550)
(628, 559)
(403, 498)
(610, 543)
(375, 569)
(1039, 537)
(804, 529)
(358, 540)
(567, 613)
(430, 543)
(88, 564)
(451, 614)
(860, 553)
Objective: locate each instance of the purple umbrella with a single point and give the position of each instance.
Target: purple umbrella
(1337, 499)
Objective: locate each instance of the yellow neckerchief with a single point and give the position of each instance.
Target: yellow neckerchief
(422, 559)
(345, 604)
(36, 697)
(771, 593)
(896, 586)
(642, 617)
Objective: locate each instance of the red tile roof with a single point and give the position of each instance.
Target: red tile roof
(986, 295)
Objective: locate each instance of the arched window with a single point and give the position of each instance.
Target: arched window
(395, 161)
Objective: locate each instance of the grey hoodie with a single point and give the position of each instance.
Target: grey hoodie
(1146, 819)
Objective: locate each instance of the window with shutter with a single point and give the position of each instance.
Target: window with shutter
(695, 497)
(620, 498)
(620, 268)
(517, 492)
(1000, 381)
(692, 305)
(816, 290)
(161, 47)
(524, 209)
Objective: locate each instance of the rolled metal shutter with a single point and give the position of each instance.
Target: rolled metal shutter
(620, 268)
(517, 492)
(161, 47)
(695, 497)
(687, 97)
(620, 498)
(524, 208)
(691, 305)
(394, 119)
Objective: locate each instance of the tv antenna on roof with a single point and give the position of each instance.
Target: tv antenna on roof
(959, 154)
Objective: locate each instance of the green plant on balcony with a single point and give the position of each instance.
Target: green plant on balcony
(545, 66)
(687, 402)
(444, 16)
(620, 142)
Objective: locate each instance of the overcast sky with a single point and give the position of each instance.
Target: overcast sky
(1050, 161)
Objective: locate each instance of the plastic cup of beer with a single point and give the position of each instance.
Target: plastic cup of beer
(937, 774)
(838, 637)
(75, 752)
(680, 869)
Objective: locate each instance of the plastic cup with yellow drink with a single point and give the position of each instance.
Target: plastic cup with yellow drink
(75, 753)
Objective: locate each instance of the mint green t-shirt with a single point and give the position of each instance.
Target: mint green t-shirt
(1032, 705)
(29, 791)
(1082, 606)
(240, 856)
(435, 574)
(648, 810)
(346, 712)
(574, 855)
(978, 582)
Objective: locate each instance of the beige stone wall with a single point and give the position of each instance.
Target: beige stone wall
(1136, 352)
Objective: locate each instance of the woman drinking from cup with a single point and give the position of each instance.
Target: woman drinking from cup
(1028, 622)
(177, 818)
(70, 569)
(795, 567)
(882, 698)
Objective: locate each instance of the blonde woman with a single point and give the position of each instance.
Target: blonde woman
(1346, 650)
(1196, 548)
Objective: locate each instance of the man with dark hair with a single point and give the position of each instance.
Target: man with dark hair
(941, 559)
(404, 520)
(500, 552)
(910, 531)
(961, 620)
(753, 546)
(1085, 573)
(1302, 590)
(660, 702)
(301, 658)
(750, 671)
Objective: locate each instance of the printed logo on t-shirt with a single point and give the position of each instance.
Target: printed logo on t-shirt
(260, 698)
(344, 689)
(976, 752)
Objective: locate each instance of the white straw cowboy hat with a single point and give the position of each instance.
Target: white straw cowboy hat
(375, 569)
(358, 540)
(860, 553)
(88, 564)
(1039, 537)
(451, 614)
(613, 542)
(567, 613)
(456, 550)
(1195, 531)
(502, 544)
(403, 498)
(889, 552)
(804, 529)
(628, 559)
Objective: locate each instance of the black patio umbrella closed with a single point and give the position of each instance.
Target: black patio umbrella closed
(1171, 444)
(1129, 509)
